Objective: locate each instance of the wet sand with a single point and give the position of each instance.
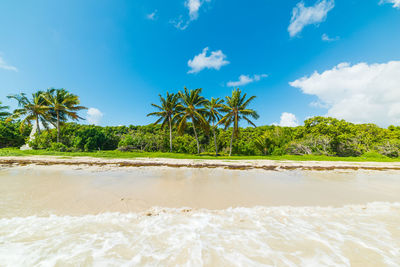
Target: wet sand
(78, 190)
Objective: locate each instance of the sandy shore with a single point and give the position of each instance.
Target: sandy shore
(199, 163)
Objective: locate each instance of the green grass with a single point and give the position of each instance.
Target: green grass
(130, 155)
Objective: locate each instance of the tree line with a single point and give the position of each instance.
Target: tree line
(189, 123)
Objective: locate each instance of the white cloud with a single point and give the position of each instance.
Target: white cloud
(303, 16)
(94, 116)
(326, 38)
(5, 66)
(152, 16)
(246, 79)
(288, 120)
(201, 61)
(193, 7)
(396, 3)
(359, 93)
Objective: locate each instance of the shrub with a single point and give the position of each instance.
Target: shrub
(184, 144)
(350, 147)
(59, 147)
(10, 135)
(298, 148)
(389, 149)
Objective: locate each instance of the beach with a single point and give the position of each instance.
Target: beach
(146, 212)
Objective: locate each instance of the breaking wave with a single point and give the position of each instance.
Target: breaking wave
(280, 236)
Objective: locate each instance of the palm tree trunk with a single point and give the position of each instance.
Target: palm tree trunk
(215, 141)
(197, 139)
(170, 134)
(37, 125)
(58, 126)
(230, 146)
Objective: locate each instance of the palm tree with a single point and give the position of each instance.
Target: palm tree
(236, 109)
(63, 105)
(166, 112)
(192, 108)
(214, 107)
(3, 112)
(34, 109)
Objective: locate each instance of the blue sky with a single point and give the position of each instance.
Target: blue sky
(301, 58)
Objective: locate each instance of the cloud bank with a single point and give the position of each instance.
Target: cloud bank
(303, 16)
(246, 79)
(215, 60)
(359, 93)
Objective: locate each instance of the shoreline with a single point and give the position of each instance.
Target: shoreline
(268, 165)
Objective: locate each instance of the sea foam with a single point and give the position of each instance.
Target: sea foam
(274, 236)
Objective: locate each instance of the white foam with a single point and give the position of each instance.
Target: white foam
(277, 236)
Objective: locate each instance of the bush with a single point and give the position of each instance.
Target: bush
(184, 144)
(350, 147)
(317, 145)
(59, 147)
(389, 149)
(10, 135)
(298, 148)
(140, 140)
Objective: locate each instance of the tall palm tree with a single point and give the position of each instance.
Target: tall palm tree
(214, 108)
(3, 112)
(63, 105)
(236, 109)
(166, 112)
(191, 108)
(34, 109)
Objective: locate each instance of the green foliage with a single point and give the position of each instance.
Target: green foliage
(59, 147)
(312, 144)
(143, 141)
(3, 111)
(389, 148)
(185, 144)
(10, 135)
(236, 108)
(327, 136)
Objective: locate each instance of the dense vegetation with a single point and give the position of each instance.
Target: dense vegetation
(190, 124)
(318, 136)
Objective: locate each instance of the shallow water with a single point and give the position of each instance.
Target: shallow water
(53, 216)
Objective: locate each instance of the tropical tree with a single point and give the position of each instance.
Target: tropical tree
(214, 108)
(63, 105)
(236, 109)
(166, 112)
(3, 112)
(34, 109)
(192, 108)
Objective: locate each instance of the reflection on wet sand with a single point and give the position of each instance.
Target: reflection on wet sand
(39, 190)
